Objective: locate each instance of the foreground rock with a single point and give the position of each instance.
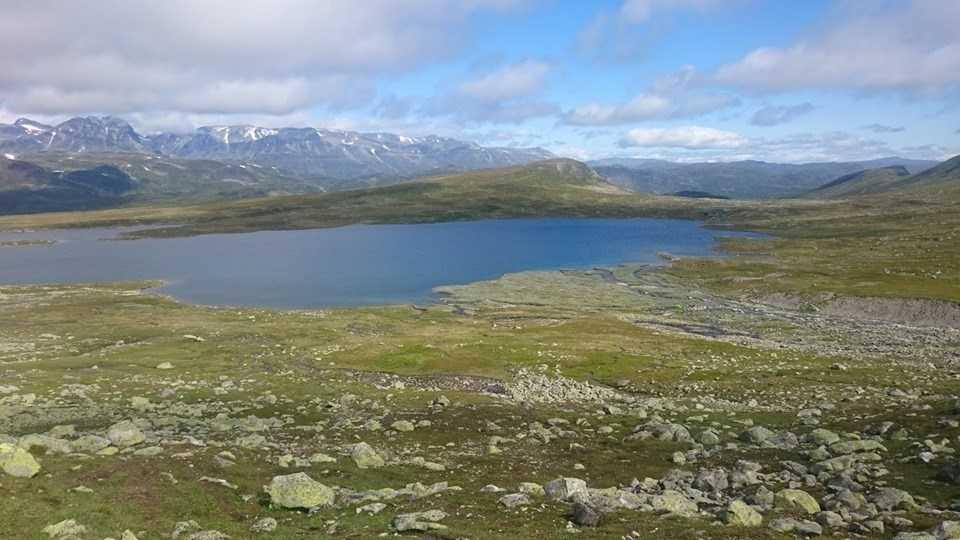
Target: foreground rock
(65, 530)
(299, 491)
(741, 514)
(18, 462)
(419, 521)
(124, 434)
(366, 457)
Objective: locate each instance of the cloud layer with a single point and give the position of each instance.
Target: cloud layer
(873, 47)
(671, 97)
(217, 56)
(688, 137)
(776, 115)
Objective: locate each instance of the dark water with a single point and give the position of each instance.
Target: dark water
(347, 266)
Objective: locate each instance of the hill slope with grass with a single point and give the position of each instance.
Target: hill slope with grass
(860, 183)
(941, 182)
(551, 188)
(51, 182)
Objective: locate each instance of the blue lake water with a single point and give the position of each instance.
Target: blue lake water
(346, 266)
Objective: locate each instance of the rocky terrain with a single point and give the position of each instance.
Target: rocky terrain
(618, 403)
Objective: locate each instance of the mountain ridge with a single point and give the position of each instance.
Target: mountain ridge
(338, 154)
(748, 179)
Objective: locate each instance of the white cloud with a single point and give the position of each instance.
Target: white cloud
(512, 81)
(507, 94)
(883, 128)
(670, 97)
(774, 115)
(694, 143)
(218, 56)
(912, 46)
(638, 11)
(688, 137)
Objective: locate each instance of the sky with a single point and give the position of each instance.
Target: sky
(684, 80)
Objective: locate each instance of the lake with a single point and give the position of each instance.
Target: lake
(346, 266)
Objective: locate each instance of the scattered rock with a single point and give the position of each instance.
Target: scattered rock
(64, 530)
(563, 489)
(299, 491)
(419, 521)
(584, 515)
(366, 457)
(18, 462)
(124, 434)
(674, 502)
(795, 500)
(741, 514)
(263, 525)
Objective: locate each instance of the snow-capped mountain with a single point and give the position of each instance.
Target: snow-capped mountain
(308, 151)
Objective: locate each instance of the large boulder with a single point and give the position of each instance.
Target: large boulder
(366, 457)
(889, 498)
(756, 435)
(124, 434)
(674, 502)
(564, 489)
(299, 491)
(18, 462)
(796, 500)
(584, 515)
(741, 514)
(89, 444)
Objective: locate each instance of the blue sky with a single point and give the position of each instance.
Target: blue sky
(676, 79)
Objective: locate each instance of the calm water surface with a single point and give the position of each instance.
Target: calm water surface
(346, 266)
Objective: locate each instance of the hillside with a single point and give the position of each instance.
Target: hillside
(738, 180)
(555, 188)
(860, 183)
(941, 182)
(66, 181)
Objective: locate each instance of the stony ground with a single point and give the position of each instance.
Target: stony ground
(622, 403)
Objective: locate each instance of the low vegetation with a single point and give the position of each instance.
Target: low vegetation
(804, 385)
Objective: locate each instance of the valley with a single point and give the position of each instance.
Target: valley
(810, 374)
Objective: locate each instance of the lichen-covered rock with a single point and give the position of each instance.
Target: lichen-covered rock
(514, 500)
(402, 426)
(584, 515)
(756, 435)
(823, 437)
(267, 524)
(124, 434)
(674, 502)
(892, 499)
(563, 489)
(89, 444)
(796, 500)
(741, 514)
(18, 462)
(855, 446)
(419, 521)
(65, 529)
(299, 491)
(366, 457)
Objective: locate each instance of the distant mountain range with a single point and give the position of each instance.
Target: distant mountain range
(318, 153)
(739, 179)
